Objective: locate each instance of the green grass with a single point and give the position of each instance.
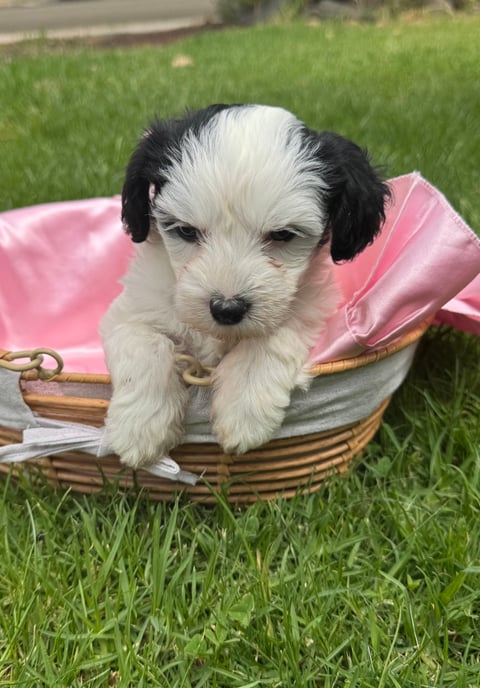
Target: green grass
(373, 582)
(68, 120)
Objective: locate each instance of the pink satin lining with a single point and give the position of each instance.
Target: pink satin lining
(425, 263)
(60, 266)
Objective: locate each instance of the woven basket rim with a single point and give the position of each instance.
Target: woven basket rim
(282, 467)
(330, 368)
(301, 466)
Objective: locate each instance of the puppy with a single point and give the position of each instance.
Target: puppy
(238, 212)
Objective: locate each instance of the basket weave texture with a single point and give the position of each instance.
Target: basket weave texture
(281, 467)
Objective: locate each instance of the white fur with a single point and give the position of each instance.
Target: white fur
(242, 176)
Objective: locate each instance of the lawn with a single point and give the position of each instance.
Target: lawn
(374, 582)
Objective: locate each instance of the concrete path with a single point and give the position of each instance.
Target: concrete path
(20, 19)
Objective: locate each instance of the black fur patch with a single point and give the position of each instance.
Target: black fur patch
(356, 195)
(160, 144)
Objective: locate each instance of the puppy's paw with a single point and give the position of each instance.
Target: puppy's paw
(237, 438)
(141, 441)
(246, 419)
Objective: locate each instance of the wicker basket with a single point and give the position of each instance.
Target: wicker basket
(281, 467)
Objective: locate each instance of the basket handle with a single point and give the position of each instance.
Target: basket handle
(36, 357)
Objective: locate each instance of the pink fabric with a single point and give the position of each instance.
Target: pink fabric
(426, 262)
(60, 266)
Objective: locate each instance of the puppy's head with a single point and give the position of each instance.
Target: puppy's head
(243, 198)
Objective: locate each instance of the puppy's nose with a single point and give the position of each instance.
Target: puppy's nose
(228, 311)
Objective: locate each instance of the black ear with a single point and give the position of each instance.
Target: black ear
(148, 166)
(355, 199)
(144, 170)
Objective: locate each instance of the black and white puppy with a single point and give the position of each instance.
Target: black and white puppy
(237, 211)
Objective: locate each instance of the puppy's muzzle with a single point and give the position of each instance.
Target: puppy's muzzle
(228, 311)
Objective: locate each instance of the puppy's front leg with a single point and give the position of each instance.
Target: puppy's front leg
(252, 387)
(144, 420)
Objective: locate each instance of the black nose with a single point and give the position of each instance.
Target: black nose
(228, 311)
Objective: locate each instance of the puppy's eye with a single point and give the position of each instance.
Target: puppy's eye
(281, 235)
(186, 233)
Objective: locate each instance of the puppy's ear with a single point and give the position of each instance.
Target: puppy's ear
(148, 166)
(143, 171)
(355, 199)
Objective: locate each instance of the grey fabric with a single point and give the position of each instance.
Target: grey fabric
(331, 401)
(14, 412)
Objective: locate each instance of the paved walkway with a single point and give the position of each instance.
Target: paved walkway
(64, 19)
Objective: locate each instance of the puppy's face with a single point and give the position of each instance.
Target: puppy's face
(243, 198)
(240, 218)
